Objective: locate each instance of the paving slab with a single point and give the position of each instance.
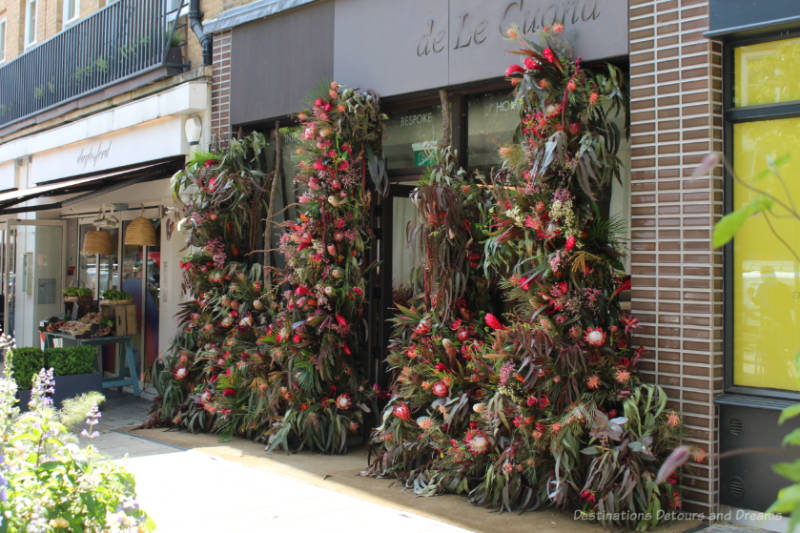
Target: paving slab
(197, 482)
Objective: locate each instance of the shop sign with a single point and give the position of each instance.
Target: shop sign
(148, 142)
(432, 43)
(90, 155)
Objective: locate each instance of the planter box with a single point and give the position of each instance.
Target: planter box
(66, 387)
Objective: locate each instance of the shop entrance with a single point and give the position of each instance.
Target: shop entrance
(31, 276)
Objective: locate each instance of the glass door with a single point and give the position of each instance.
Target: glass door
(32, 276)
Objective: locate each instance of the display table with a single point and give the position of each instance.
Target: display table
(124, 345)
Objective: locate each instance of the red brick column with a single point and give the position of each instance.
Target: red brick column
(221, 89)
(676, 119)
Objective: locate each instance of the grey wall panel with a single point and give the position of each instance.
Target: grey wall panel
(382, 44)
(279, 62)
(400, 47)
(597, 29)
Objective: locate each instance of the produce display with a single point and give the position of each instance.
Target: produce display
(113, 295)
(73, 293)
(89, 325)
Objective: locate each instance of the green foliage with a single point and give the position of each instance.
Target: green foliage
(73, 410)
(71, 360)
(66, 361)
(26, 363)
(78, 292)
(49, 482)
(113, 295)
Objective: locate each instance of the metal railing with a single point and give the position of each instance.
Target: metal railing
(124, 39)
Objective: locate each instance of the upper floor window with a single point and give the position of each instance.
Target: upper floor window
(2, 39)
(30, 22)
(72, 11)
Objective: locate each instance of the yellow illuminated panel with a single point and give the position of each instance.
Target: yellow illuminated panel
(766, 279)
(767, 73)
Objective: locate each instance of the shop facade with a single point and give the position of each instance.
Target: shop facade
(682, 59)
(98, 174)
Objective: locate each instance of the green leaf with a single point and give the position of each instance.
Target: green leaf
(788, 500)
(727, 227)
(792, 438)
(790, 471)
(789, 412)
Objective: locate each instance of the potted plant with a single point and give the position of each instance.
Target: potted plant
(73, 294)
(115, 297)
(74, 368)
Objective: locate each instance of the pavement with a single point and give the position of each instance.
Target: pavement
(198, 483)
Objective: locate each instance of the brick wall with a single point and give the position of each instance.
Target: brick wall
(221, 88)
(676, 118)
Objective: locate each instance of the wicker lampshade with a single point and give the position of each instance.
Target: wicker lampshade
(97, 242)
(140, 232)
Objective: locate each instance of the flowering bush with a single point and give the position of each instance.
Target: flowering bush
(48, 482)
(546, 408)
(209, 379)
(316, 387)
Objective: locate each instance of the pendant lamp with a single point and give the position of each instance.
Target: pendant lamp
(140, 232)
(97, 242)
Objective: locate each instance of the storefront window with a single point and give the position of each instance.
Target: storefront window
(765, 277)
(407, 133)
(767, 73)
(491, 120)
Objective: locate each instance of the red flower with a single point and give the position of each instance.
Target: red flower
(514, 69)
(402, 411)
(530, 64)
(463, 334)
(493, 322)
(440, 367)
(477, 441)
(455, 324)
(297, 339)
(343, 402)
(595, 337)
(341, 320)
(544, 401)
(229, 391)
(440, 389)
(570, 243)
(549, 55)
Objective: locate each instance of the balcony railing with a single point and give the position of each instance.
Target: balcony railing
(121, 41)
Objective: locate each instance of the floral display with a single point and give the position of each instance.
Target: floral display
(540, 404)
(209, 379)
(317, 380)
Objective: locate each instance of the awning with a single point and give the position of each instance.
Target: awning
(89, 184)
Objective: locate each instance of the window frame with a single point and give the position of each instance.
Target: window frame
(3, 32)
(732, 116)
(67, 21)
(28, 39)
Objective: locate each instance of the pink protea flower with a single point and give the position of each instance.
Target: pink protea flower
(425, 422)
(440, 389)
(595, 337)
(343, 402)
(477, 441)
(181, 372)
(402, 411)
